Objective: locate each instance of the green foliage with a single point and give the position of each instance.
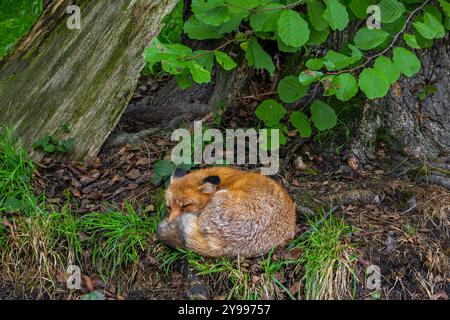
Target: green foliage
(272, 113)
(117, 238)
(15, 174)
(164, 170)
(49, 144)
(370, 62)
(291, 90)
(173, 25)
(327, 260)
(16, 18)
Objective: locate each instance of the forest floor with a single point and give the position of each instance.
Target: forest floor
(349, 220)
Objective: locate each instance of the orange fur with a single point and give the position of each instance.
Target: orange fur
(245, 214)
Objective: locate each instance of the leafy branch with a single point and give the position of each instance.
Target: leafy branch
(292, 30)
(390, 47)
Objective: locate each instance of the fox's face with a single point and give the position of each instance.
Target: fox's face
(189, 193)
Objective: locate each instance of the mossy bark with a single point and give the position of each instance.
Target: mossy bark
(82, 79)
(415, 127)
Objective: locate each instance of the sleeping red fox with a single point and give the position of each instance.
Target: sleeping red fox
(222, 211)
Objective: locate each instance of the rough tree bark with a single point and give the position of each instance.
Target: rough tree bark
(414, 127)
(79, 78)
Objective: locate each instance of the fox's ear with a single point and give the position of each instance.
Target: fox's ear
(178, 173)
(210, 184)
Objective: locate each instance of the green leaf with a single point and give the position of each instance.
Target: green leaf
(308, 76)
(266, 143)
(164, 168)
(337, 61)
(406, 61)
(198, 30)
(318, 37)
(366, 39)
(359, 7)
(94, 295)
(292, 28)
(184, 80)
(411, 40)
(199, 73)
(385, 66)
(336, 14)
(330, 86)
(271, 112)
(373, 83)
(323, 116)
(211, 12)
(391, 10)
(347, 86)
(431, 28)
(445, 6)
(290, 89)
(247, 4)
(205, 58)
(257, 57)
(67, 146)
(225, 60)
(283, 47)
(315, 11)
(50, 148)
(12, 204)
(315, 64)
(301, 122)
(265, 20)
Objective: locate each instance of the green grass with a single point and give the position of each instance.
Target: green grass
(117, 238)
(41, 239)
(327, 260)
(16, 18)
(233, 273)
(410, 229)
(15, 174)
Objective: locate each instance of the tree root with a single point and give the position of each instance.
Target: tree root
(123, 138)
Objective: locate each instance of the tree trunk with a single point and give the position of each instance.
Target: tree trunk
(82, 79)
(414, 127)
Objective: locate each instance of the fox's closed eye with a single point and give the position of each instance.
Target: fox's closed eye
(187, 205)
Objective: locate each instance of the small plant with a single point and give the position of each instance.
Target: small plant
(164, 169)
(410, 229)
(327, 261)
(428, 91)
(50, 144)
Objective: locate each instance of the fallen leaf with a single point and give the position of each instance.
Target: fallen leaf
(95, 195)
(75, 192)
(115, 179)
(143, 162)
(295, 288)
(88, 283)
(133, 186)
(133, 174)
